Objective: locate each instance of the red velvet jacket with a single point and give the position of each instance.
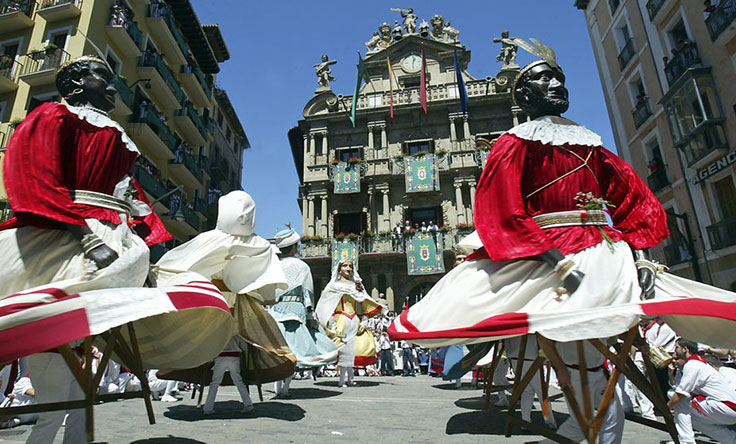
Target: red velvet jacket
(52, 152)
(517, 167)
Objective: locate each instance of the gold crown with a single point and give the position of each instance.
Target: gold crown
(84, 58)
(544, 52)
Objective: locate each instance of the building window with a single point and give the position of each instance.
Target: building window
(229, 134)
(220, 119)
(695, 115)
(36, 101)
(426, 216)
(726, 196)
(625, 42)
(344, 154)
(642, 110)
(347, 223)
(657, 178)
(411, 148)
(375, 100)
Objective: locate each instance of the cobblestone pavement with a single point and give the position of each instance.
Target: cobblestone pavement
(378, 410)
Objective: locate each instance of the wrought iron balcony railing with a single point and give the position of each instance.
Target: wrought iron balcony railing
(721, 18)
(684, 57)
(722, 234)
(627, 53)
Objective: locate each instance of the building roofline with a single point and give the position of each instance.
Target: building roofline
(227, 107)
(217, 42)
(195, 35)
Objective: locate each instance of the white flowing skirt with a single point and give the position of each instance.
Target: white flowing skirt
(50, 295)
(482, 300)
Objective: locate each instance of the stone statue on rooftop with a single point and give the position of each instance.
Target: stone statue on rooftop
(324, 73)
(438, 32)
(385, 30)
(508, 50)
(397, 32)
(450, 32)
(423, 28)
(410, 19)
(372, 44)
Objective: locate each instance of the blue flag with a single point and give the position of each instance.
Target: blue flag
(461, 85)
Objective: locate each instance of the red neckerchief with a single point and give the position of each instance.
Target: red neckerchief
(696, 357)
(645, 329)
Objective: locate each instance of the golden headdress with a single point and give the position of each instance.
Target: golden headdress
(84, 58)
(545, 54)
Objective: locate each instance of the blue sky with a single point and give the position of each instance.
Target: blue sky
(274, 46)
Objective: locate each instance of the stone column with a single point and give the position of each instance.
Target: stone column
(370, 137)
(390, 291)
(384, 142)
(466, 127)
(310, 217)
(305, 216)
(324, 143)
(312, 145)
(323, 217)
(386, 211)
(372, 209)
(306, 149)
(453, 131)
(459, 203)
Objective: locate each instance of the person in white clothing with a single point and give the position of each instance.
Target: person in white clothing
(727, 372)
(228, 361)
(530, 354)
(703, 399)
(611, 431)
(161, 388)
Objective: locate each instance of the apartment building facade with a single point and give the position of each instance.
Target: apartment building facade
(166, 63)
(667, 68)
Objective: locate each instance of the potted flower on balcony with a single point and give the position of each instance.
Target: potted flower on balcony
(440, 152)
(465, 227)
(410, 231)
(51, 48)
(340, 236)
(334, 162)
(420, 154)
(384, 233)
(353, 236)
(444, 229)
(354, 160)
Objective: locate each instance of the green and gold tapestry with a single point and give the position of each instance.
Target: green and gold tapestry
(347, 178)
(424, 254)
(421, 173)
(344, 248)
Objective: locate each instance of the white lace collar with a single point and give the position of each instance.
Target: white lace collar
(100, 119)
(550, 133)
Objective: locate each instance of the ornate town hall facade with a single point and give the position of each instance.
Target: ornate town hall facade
(397, 165)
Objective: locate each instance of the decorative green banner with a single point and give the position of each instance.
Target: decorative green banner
(421, 173)
(347, 178)
(424, 254)
(343, 248)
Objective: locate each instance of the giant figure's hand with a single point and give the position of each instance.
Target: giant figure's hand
(646, 282)
(573, 281)
(102, 256)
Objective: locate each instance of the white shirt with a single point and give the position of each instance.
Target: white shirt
(19, 390)
(384, 343)
(700, 378)
(729, 374)
(663, 336)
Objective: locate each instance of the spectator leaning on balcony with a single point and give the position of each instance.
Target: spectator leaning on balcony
(709, 8)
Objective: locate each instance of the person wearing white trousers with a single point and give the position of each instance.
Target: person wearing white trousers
(161, 388)
(535, 386)
(53, 381)
(611, 431)
(228, 361)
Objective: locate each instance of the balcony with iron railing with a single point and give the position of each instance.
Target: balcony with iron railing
(124, 99)
(641, 112)
(381, 243)
(685, 56)
(193, 80)
(704, 144)
(720, 22)
(658, 180)
(722, 234)
(166, 33)
(150, 132)
(9, 67)
(57, 10)
(204, 163)
(190, 217)
(185, 167)
(124, 33)
(165, 87)
(627, 53)
(39, 67)
(190, 125)
(151, 185)
(16, 15)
